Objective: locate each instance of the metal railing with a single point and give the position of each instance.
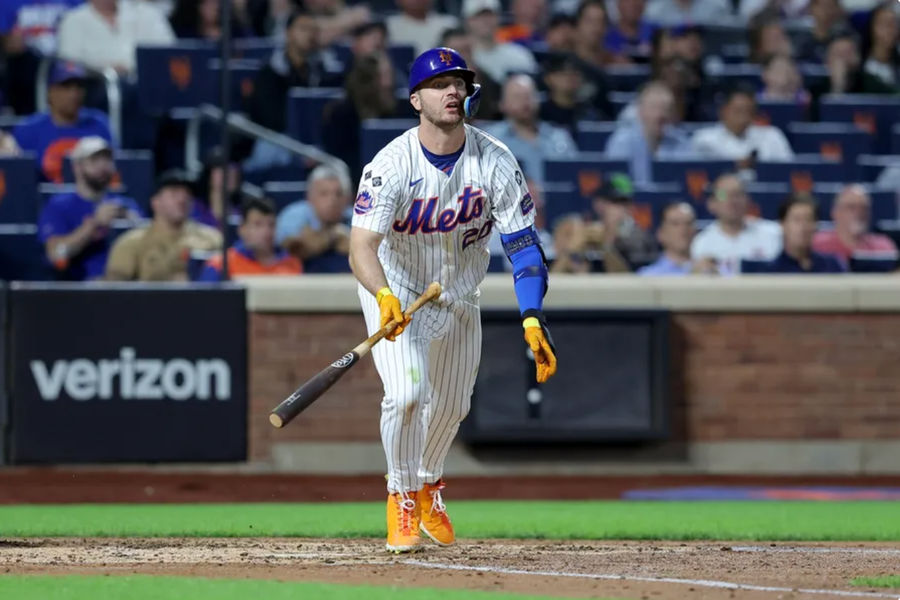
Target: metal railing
(240, 123)
(110, 80)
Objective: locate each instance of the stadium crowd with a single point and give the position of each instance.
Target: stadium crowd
(681, 121)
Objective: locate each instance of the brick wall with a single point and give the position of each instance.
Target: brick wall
(735, 377)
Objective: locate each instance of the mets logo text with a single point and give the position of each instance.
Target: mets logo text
(446, 58)
(364, 203)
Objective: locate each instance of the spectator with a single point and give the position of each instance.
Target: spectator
(8, 145)
(782, 81)
(752, 10)
(531, 140)
(497, 60)
(668, 13)
(417, 25)
(590, 32)
(161, 250)
(768, 38)
(570, 246)
(734, 235)
(631, 36)
(268, 18)
(624, 243)
(76, 227)
(369, 38)
(255, 253)
(298, 64)
(798, 224)
(560, 35)
(212, 203)
(563, 107)
(370, 95)
(529, 17)
(52, 135)
(461, 40)
(199, 19)
(736, 138)
(675, 234)
(650, 136)
(105, 33)
(316, 230)
(851, 214)
(883, 58)
(335, 19)
(828, 21)
(685, 80)
(27, 32)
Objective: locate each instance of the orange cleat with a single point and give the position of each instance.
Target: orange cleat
(403, 523)
(435, 522)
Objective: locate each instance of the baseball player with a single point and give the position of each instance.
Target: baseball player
(425, 210)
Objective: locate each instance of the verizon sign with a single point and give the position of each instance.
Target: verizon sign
(114, 374)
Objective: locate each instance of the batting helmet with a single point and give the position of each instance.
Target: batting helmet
(439, 61)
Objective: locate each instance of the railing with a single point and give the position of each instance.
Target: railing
(111, 82)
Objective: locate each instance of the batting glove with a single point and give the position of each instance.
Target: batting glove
(538, 338)
(390, 312)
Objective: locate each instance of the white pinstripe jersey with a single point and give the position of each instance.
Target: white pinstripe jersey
(437, 227)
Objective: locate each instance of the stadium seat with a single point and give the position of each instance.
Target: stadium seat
(21, 255)
(591, 136)
(717, 37)
(832, 141)
(174, 76)
(561, 199)
(871, 166)
(18, 190)
(304, 112)
(815, 76)
(766, 198)
(587, 171)
(692, 175)
(864, 263)
(802, 172)
(780, 113)
(283, 193)
(257, 49)
(730, 76)
(626, 78)
(895, 139)
(650, 199)
(874, 114)
(243, 74)
(619, 100)
(375, 134)
(136, 172)
(402, 56)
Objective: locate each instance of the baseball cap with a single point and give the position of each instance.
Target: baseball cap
(63, 71)
(471, 8)
(174, 177)
(617, 188)
(89, 146)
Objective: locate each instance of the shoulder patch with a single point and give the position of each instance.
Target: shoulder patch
(367, 176)
(527, 204)
(364, 202)
(376, 181)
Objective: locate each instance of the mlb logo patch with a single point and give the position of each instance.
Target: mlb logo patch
(527, 204)
(364, 203)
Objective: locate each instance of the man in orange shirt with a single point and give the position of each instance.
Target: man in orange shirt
(255, 253)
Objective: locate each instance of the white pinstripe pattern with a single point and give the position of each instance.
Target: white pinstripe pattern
(429, 372)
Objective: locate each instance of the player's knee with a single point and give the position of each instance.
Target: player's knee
(407, 401)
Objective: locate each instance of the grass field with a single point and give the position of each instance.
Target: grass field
(775, 521)
(886, 581)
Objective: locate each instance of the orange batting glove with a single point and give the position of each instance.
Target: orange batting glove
(391, 311)
(538, 338)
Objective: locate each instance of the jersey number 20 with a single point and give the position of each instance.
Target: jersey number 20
(472, 235)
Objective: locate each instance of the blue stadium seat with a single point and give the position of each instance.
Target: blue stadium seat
(730, 76)
(243, 74)
(834, 141)
(870, 166)
(875, 114)
(815, 76)
(895, 139)
(802, 172)
(561, 199)
(619, 100)
(626, 78)
(587, 171)
(767, 197)
(651, 198)
(283, 193)
(376, 133)
(591, 136)
(780, 113)
(174, 76)
(18, 190)
(402, 56)
(136, 171)
(257, 49)
(304, 112)
(692, 175)
(21, 255)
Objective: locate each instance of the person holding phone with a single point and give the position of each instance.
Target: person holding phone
(76, 227)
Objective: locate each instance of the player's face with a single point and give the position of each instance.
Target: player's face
(440, 100)
(258, 231)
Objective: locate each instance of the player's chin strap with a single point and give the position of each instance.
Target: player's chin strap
(470, 104)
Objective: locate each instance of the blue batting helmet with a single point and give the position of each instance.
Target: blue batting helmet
(439, 61)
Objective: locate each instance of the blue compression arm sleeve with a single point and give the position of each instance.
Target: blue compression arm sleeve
(529, 268)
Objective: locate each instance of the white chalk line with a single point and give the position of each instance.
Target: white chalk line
(815, 550)
(696, 582)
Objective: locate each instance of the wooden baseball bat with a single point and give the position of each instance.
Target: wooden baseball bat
(310, 391)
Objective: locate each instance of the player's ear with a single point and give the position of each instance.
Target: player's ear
(416, 101)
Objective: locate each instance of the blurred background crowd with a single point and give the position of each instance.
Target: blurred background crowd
(660, 137)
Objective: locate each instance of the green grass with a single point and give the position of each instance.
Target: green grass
(884, 581)
(800, 521)
(146, 587)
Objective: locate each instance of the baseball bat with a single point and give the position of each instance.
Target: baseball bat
(322, 381)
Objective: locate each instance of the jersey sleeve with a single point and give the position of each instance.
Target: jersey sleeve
(377, 197)
(511, 204)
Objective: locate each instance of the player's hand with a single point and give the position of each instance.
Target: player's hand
(391, 311)
(538, 338)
